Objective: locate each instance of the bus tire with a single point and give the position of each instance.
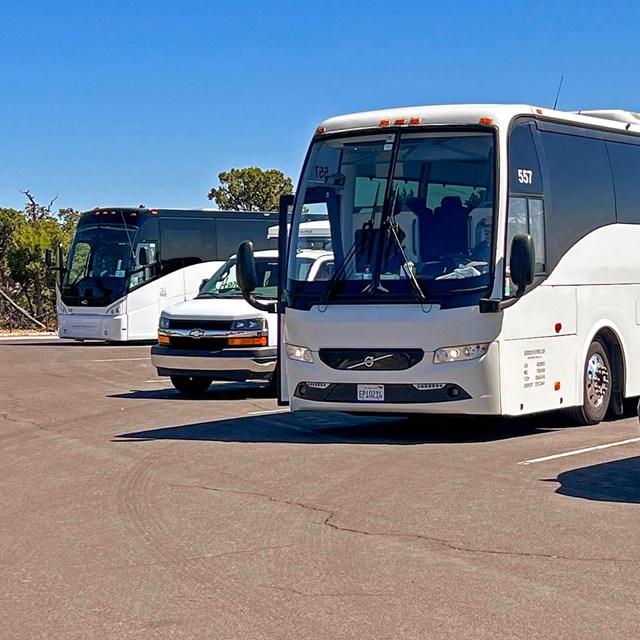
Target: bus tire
(596, 385)
(191, 386)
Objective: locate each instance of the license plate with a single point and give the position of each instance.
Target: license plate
(370, 393)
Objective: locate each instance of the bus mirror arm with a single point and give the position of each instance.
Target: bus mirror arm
(493, 305)
(269, 307)
(246, 274)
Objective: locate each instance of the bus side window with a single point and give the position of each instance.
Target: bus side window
(526, 215)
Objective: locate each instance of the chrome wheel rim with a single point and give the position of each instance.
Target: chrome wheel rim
(597, 381)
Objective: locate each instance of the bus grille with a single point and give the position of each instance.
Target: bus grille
(370, 359)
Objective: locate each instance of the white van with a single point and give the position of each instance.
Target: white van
(220, 336)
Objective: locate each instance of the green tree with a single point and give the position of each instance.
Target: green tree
(27, 286)
(251, 189)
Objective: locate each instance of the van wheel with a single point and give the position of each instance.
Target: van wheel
(191, 386)
(596, 384)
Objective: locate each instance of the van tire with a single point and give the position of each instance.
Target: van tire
(191, 386)
(596, 386)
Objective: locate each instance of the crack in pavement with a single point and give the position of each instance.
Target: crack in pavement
(448, 544)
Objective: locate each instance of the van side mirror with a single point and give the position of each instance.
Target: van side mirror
(48, 258)
(246, 267)
(523, 261)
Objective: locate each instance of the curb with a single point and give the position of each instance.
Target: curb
(29, 336)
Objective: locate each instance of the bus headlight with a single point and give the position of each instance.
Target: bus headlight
(301, 354)
(252, 324)
(463, 352)
(164, 322)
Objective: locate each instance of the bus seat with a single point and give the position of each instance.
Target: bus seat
(425, 225)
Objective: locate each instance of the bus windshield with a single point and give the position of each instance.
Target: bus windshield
(99, 263)
(224, 283)
(410, 213)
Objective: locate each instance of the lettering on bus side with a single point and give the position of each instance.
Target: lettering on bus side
(534, 368)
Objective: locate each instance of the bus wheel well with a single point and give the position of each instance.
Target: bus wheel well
(610, 341)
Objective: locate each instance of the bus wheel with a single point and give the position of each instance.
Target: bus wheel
(597, 385)
(192, 386)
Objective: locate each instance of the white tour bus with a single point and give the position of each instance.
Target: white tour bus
(486, 262)
(125, 265)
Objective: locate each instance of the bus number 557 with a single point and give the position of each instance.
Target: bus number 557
(525, 176)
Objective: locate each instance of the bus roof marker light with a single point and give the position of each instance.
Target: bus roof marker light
(400, 121)
(558, 327)
(556, 385)
(385, 122)
(154, 212)
(321, 130)
(539, 111)
(486, 120)
(415, 120)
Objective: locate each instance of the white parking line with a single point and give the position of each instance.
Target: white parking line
(579, 451)
(122, 359)
(259, 413)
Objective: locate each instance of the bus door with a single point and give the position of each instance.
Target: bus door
(286, 202)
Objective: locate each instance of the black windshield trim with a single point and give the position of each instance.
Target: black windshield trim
(292, 295)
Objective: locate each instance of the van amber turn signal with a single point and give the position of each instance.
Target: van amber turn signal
(248, 342)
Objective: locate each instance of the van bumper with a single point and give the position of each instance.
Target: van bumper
(226, 364)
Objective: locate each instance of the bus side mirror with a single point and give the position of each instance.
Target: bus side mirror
(247, 278)
(246, 267)
(143, 257)
(57, 263)
(523, 261)
(201, 287)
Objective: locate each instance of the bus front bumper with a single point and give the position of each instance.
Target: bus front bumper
(469, 387)
(92, 327)
(227, 364)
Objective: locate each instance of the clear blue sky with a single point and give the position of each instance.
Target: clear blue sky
(130, 102)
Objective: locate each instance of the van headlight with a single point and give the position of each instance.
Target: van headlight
(252, 324)
(164, 322)
(463, 352)
(302, 354)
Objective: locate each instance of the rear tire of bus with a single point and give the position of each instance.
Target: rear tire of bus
(596, 386)
(191, 386)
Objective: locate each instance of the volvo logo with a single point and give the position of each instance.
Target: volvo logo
(370, 361)
(196, 333)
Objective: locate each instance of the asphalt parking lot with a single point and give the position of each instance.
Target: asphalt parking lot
(129, 512)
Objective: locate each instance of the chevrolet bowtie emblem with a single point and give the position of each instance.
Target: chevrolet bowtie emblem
(196, 333)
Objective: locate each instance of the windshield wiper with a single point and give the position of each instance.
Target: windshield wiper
(392, 228)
